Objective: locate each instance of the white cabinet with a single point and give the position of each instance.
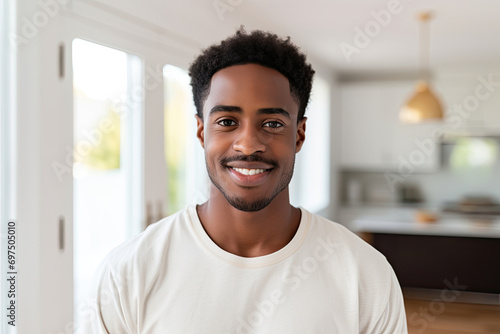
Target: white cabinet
(472, 102)
(374, 138)
(492, 114)
(362, 128)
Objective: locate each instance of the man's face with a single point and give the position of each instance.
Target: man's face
(250, 134)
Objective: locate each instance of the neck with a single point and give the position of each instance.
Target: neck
(249, 234)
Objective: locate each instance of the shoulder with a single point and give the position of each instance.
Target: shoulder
(366, 267)
(128, 272)
(379, 294)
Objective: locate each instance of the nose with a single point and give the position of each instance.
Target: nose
(249, 139)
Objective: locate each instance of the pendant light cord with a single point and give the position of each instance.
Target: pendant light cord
(424, 45)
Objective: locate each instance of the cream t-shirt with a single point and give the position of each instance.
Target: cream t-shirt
(172, 278)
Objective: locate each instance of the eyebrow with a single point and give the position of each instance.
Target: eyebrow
(266, 111)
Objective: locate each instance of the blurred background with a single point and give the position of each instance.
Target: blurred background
(98, 139)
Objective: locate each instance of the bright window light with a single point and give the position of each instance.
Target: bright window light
(187, 177)
(472, 153)
(106, 178)
(310, 186)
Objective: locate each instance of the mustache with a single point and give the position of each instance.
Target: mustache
(248, 158)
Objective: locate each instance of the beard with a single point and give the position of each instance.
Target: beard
(242, 203)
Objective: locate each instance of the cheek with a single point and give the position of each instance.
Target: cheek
(282, 151)
(215, 147)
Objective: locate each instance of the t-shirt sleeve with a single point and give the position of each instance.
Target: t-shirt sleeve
(107, 304)
(393, 317)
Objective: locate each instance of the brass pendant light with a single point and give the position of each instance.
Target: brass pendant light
(423, 105)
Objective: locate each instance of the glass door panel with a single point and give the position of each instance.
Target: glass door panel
(107, 169)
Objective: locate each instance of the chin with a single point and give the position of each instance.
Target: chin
(248, 206)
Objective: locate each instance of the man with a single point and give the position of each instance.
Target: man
(246, 261)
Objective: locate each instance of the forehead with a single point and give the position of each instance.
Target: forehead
(250, 86)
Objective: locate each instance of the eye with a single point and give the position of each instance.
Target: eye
(273, 124)
(226, 122)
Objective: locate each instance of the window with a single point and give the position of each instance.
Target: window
(310, 186)
(107, 103)
(474, 153)
(187, 177)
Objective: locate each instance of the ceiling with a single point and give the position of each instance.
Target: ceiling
(463, 32)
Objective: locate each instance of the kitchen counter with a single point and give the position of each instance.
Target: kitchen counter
(427, 255)
(457, 226)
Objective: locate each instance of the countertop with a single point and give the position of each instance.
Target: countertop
(447, 225)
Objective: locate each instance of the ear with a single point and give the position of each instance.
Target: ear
(301, 134)
(200, 130)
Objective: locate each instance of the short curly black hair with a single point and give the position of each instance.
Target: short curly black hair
(258, 47)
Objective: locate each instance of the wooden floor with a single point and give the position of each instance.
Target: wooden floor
(428, 317)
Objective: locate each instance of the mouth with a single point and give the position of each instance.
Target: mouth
(247, 171)
(249, 177)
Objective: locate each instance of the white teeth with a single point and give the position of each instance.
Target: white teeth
(245, 171)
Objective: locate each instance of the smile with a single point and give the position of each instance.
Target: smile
(246, 171)
(249, 177)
